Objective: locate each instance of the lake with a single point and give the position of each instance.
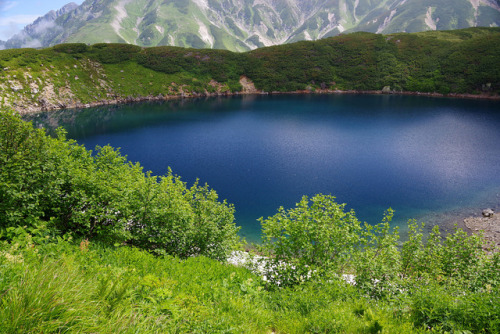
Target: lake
(427, 158)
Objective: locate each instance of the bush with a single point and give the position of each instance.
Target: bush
(71, 48)
(103, 196)
(112, 53)
(315, 235)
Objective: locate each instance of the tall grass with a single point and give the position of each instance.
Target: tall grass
(91, 288)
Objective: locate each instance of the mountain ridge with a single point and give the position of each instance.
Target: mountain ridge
(242, 25)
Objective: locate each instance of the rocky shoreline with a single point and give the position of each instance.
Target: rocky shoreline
(489, 224)
(248, 89)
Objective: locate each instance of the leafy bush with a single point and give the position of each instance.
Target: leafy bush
(446, 283)
(103, 196)
(71, 48)
(377, 267)
(316, 235)
(112, 53)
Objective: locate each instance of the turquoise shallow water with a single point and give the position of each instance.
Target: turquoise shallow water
(424, 157)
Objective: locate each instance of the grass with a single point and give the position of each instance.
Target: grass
(66, 287)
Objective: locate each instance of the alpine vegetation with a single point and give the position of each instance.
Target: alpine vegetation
(91, 243)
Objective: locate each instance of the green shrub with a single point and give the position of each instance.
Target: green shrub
(71, 48)
(112, 53)
(103, 196)
(316, 235)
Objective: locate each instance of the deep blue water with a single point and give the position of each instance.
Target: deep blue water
(418, 155)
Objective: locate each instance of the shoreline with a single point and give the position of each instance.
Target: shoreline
(25, 110)
(468, 218)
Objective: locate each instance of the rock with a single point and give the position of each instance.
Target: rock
(488, 226)
(488, 213)
(386, 89)
(15, 86)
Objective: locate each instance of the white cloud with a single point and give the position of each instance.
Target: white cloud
(43, 26)
(18, 19)
(7, 5)
(32, 44)
(11, 25)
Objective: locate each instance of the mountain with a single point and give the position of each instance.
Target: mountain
(44, 31)
(241, 25)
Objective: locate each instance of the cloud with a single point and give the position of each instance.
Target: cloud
(7, 5)
(43, 25)
(11, 25)
(35, 43)
(18, 19)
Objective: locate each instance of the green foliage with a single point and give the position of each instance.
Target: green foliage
(377, 267)
(364, 61)
(71, 48)
(445, 308)
(112, 53)
(313, 236)
(436, 282)
(63, 286)
(103, 196)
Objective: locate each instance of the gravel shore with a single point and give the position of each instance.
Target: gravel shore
(489, 225)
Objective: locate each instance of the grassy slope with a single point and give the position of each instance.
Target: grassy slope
(462, 61)
(60, 287)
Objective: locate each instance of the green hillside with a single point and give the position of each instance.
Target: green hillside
(75, 75)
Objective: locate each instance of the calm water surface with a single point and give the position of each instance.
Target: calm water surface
(418, 155)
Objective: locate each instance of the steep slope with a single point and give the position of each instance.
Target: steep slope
(240, 25)
(422, 15)
(43, 31)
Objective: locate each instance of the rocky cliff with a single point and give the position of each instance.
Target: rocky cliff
(240, 25)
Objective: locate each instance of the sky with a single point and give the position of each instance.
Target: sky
(16, 14)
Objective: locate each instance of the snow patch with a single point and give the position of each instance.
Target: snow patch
(161, 30)
(205, 35)
(490, 3)
(121, 14)
(136, 28)
(203, 4)
(340, 28)
(475, 4)
(428, 19)
(331, 17)
(386, 22)
(307, 37)
(356, 3)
